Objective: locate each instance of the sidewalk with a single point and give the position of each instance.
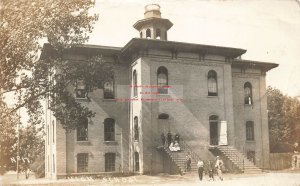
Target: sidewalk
(264, 179)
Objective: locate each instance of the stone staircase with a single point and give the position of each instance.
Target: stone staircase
(179, 158)
(238, 159)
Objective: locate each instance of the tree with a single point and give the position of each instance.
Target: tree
(8, 138)
(31, 149)
(283, 116)
(24, 24)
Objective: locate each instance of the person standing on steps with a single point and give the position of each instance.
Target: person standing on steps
(176, 138)
(163, 138)
(169, 138)
(200, 166)
(188, 162)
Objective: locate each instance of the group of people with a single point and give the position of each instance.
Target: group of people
(173, 144)
(212, 168)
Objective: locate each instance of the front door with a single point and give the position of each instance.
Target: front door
(213, 128)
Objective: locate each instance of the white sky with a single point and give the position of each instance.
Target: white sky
(268, 29)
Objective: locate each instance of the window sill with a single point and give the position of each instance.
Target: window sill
(82, 99)
(248, 105)
(110, 142)
(250, 141)
(109, 99)
(163, 94)
(212, 96)
(83, 142)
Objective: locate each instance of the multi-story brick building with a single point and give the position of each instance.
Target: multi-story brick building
(212, 98)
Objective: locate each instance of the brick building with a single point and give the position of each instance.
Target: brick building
(207, 94)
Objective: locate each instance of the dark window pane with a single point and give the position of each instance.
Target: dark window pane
(108, 90)
(82, 162)
(250, 131)
(82, 130)
(109, 129)
(110, 160)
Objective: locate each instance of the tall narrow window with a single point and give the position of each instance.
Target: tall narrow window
(250, 131)
(137, 161)
(141, 34)
(82, 130)
(213, 130)
(248, 93)
(108, 89)
(148, 33)
(134, 77)
(82, 162)
(136, 128)
(158, 34)
(212, 83)
(109, 129)
(110, 161)
(80, 91)
(162, 80)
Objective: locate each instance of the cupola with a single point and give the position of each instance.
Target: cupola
(153, 26)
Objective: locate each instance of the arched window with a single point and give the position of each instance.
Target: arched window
(137, 161)
(136, 128)
(134, 77)
(109, 129)
(148, 33)
(82, 130)
(250, 131)
(158, 35)
(162, 80)
(108, 89)
(248, 93)
(212, 83)
(213, 130)
(141, 34)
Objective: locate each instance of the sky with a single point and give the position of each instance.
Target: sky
(268, 29)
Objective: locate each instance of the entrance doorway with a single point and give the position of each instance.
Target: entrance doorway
(137, 162)
(163, 125)
(213, 130)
